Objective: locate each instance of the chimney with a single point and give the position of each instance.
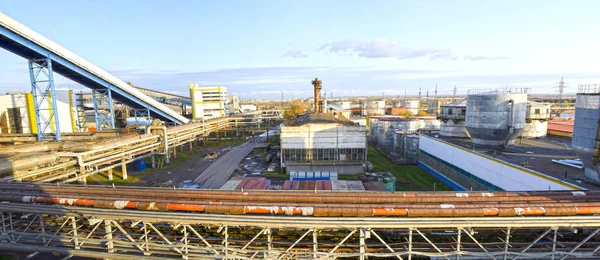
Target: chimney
(318, 105)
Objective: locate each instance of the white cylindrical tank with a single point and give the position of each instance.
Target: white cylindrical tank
(412, 106)
(536, 120)
(495, 118)
(376, 107)
(587, 114)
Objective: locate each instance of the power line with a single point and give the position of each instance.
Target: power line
(561, 89)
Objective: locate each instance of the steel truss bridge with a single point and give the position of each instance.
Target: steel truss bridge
(120, 223)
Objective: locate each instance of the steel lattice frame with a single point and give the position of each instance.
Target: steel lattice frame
(141, 113)
(44, 94)
(100, 96)
(118, 234)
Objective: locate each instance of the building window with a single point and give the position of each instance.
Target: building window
(463, 111)
(537, 111)
(450, 111)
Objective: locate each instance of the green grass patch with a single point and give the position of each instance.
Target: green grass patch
(117, 178)
(408, 177)
(8, 257)
(276, 175)
(273, 140)
(348, 177)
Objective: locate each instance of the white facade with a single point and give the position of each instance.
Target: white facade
(536, 119)
(324, 147)
(209, 102)
(248, 108)
(233, 103)
(504, 175)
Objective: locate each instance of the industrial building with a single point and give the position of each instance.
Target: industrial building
(495, 117)
(397, 134)
(208, 102)
(383, 128)
(18, 116)
(453, 119)
(42, 214)
(233, 103)
(536, 120)
(434, 105)
(323, 142)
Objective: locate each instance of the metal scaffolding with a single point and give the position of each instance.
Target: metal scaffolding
(44, 98)
(103, 120)
(120, 234)
(139, 114)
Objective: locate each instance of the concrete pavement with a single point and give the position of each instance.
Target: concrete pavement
(221, 169)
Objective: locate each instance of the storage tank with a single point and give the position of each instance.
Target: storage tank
(412, 106)
(585, 131)
(452, 117)
(495, 118)
(536, 120)
(376, 107)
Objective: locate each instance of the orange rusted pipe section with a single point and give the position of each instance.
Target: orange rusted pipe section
(390, 212)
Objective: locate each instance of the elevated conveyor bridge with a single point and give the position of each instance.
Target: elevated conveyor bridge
(46, 57)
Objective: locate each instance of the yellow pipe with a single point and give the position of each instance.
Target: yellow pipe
(72, 109)
(31, 113)
(193, 98)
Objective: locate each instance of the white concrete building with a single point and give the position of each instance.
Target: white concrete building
(233, 102)
(248, 108)
(322, 142)
(536, 119)
(209, 102)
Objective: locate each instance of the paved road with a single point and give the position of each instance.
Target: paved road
(221, 169)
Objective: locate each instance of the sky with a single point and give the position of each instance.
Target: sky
(369, 48)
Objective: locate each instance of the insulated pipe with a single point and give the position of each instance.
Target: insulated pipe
(110, 144)
(165, 138)
(325, 195)
(26, 163)
(36, 147)
(318, 211)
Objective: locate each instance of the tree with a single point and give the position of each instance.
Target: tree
(422, 113)
(295, 109)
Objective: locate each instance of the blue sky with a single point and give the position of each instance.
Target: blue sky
(260, 48)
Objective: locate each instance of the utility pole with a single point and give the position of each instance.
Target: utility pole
(405, 96)
(281, 99)
(561, 89)
(419, 93)
(454, 92)
(435, 95)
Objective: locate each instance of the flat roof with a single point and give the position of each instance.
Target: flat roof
(561, 125)
(321, 118)
(536, 154)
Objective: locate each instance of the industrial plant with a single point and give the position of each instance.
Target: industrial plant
(123, 172)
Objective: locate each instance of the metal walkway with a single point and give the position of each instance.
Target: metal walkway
(30, 45)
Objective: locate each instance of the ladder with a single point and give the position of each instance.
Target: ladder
(81, 127)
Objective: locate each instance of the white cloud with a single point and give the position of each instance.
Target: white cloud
(382, 48)
(296, 54)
